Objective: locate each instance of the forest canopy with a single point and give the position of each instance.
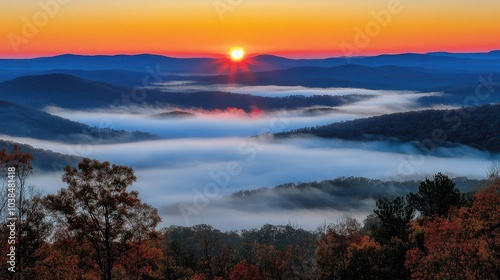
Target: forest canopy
(97, 228)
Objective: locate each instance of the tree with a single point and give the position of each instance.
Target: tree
(32, 225)
(394, 216)
(98, 209)
(367, 260)
(371, 221)
(447, 251)
(392, 233)
(494, 172)
(179, 261)
(280, 252)
(485, 216)
(436, 197)
(244, 271)
(23, 169)
(208, 239)
(66, 257)
(34, 230)
(465, 245)
(142, 261)
(332, 254)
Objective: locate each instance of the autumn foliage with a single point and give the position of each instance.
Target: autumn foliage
(96, 228)
(465, 245)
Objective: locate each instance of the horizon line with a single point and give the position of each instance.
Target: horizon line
(215, 56)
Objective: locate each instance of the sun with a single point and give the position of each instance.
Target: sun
(237, 54)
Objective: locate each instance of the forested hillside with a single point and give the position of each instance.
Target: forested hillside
(22, 121)
(44, 160)
(477, 127)
(342, 193)
(66, 91)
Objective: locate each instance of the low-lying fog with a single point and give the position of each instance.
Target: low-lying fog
(237, 123)
(176, 171)
(210, 155)
(269, 91)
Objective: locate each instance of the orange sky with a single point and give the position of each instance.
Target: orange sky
(314, 28)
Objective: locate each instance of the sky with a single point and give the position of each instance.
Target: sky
(293, 28)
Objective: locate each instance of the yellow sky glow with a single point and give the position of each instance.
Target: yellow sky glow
(212, 27)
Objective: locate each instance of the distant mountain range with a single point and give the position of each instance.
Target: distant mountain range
(487, 56)
(61, 90)
(348, 75)
(28, 86)
(89, 82)
(456, 86)
(107, 78)
(140, 66)
(453, 73)
(477, 127)
(66, 91)
(145, 62)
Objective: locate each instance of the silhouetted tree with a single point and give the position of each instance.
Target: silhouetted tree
(436, 197)
(99, 209)
(395, 216)
(393, 234)
(371, 221)
(332, 253)
(32, 225)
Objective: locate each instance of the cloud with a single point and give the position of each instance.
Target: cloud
(209, 156)
(237, 123)
(393, 102)
(383, 101)
(175, 171)
(204, 124)
(267, 91)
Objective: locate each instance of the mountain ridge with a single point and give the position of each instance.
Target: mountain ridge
(263, 62)
(21, 121)
(70, 92)
(479, 130)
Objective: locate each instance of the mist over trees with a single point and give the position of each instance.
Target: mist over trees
(477, 127)
(55, 89)
(97, 228)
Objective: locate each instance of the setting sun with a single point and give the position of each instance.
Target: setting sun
(237, 54)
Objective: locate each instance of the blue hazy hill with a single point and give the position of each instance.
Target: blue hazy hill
(66, 91)
(480, 129)
(21, 121)
(144, 63)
